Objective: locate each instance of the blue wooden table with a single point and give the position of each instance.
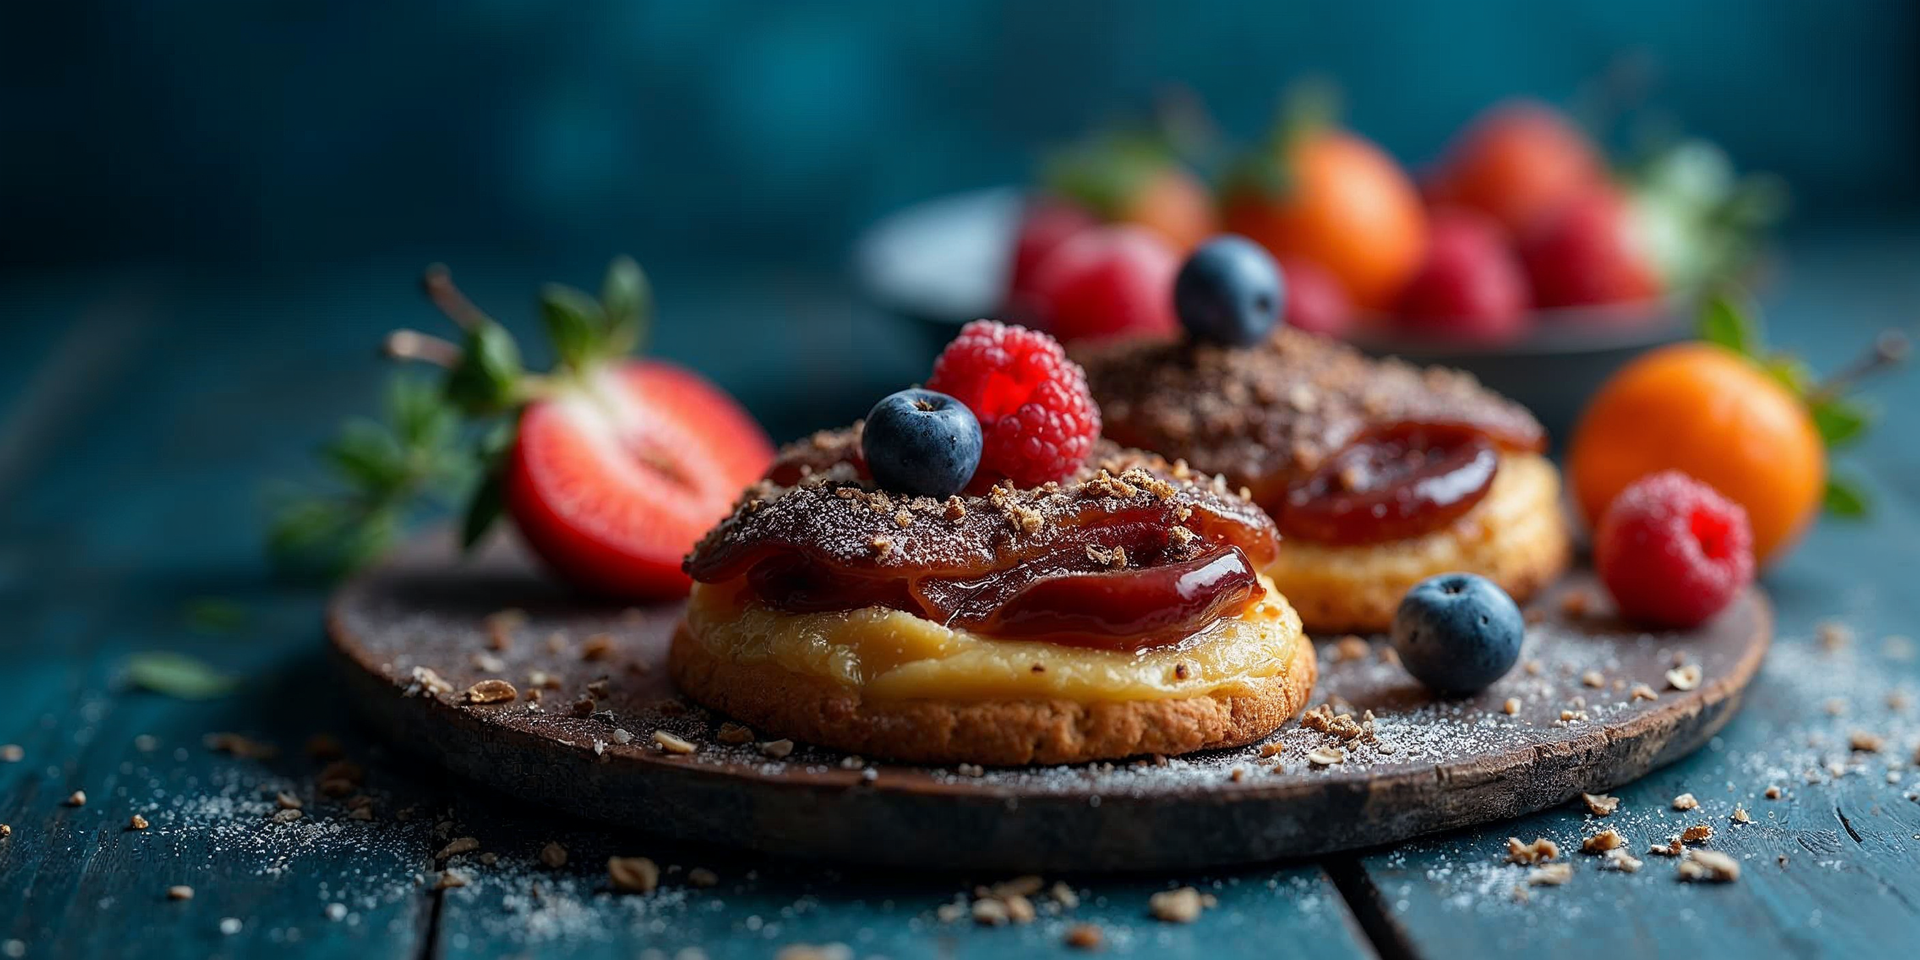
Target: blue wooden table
(143, 413)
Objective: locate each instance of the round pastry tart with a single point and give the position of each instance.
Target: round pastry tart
(1119, 611)
(1378, 473)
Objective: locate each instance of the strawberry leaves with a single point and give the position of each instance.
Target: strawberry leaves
(439, 441)
(1728, 320)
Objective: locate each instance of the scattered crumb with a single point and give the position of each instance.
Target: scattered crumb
(1684, 678)
(457, 846)
(597, 647)
(1179, 906)
(733, 733)
(138, 822)
(1600, 806)
(1326, 756)
(1773, 792)
(1685, 801)
(1511, 707)
(1619, 859)
(1671, 848)
(1860, 741)
(633, 874)
(1551, 875)
(1593, 678)
(553, 855)
(1605, 840)
(1833, 634)
(702, 877)
(1740, 814)
(1698, 833)
(777, 749)
(450, 879)
(1709, 866)
(1084, 936)
(1641, 691)
(180, 891)
(78, 798)
(674, 743)
(1350, 648)
(1526, 854)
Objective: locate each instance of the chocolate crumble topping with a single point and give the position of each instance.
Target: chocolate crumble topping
(1265, 415)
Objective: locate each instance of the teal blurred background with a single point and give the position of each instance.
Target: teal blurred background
(276, 133)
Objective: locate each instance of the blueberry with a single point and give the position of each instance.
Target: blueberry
(1229, 292)
(921, 442)
(1458, 633)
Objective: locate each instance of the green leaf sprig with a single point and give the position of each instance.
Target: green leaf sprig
(444, 442)
(1729, 320)
(178, 675)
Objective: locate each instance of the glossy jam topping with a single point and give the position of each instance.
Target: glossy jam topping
(1391, 482)
(1121, 557)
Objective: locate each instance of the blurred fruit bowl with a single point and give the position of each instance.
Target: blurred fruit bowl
(943, 262)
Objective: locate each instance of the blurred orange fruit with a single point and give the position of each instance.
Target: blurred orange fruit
(1712, 414)
(1336, 199)
(1174, 204)
(1518, 162)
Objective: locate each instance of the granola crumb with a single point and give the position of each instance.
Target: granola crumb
(1605, 840)
(1619, 859)
(1063, 895)
(1327, 756)
(287, 816)
(1685, 801)
(733, 733)
(1861, 741)
(490, 691)
(1698, 833)
(457, 846)
(1671, 848)
(1684, 677)
(553, 855)
(450, 879)
(1350, 648)
(702, 877)
(137, 822)
(597, 647)
(1740, 814)
(1601, 805)
(1178, 906)
(633, 874)
(1511, 707)
(1527, 854)
(1709, 866)
(674, 743)
(1576, 603)
(1773, 792)
(1833, 634)
(1641, 691)
(1084, 936)
(1593, 678)
(78, 798)
(989, 912)
(777, 749)
(1551, 875)
(179, 891)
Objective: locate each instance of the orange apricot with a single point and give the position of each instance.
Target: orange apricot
(1342, 203)
(1712, 414)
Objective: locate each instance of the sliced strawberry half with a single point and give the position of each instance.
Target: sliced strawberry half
(612, 480)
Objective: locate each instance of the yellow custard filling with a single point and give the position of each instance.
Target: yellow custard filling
(889, 654)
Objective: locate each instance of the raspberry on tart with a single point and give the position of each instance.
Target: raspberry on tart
(1379, 473)
(1117, 610)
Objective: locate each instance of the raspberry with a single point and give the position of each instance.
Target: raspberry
(1036, 417)
(1672, 551)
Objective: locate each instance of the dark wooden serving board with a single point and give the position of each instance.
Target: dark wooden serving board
(1436, 764)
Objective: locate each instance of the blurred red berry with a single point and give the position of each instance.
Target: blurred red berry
(1046, 223)
(1470, 287)
(1519, 163)
(1672, 551)
(1591, 252)
(1316, 302)
(1107, 282)
(1038, 422)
